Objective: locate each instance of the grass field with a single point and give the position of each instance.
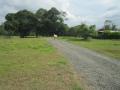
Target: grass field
(107, 47)
(33, 64)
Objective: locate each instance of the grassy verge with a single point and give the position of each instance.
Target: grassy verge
(33, 64)
(107, 47)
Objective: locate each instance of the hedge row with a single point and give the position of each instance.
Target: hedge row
(109, 35)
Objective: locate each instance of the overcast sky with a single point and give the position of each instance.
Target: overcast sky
(88, 11)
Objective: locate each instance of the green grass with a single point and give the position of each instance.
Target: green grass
(107, 47)
(33, 64)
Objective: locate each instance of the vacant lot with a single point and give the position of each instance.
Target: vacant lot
(33, 64)
(107, 47)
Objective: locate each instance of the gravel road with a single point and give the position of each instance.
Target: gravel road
(98, 71)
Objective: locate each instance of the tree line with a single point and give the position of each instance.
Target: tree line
(108, 31)
(83, 30)
(48, 22)
(43, 22)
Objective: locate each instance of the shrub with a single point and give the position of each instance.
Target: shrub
(109, 35)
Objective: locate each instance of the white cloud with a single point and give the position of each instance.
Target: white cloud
(107, 1)
(93, 12)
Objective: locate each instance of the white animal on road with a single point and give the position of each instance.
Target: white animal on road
(55, 36)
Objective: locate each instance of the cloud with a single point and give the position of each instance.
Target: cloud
(106, 2)
(91, 12)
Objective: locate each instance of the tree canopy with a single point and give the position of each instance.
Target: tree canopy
(43, 22)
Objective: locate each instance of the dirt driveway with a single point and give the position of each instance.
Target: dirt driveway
(99, 72)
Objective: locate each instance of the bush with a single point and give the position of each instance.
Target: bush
(109, 35)
(115, 35)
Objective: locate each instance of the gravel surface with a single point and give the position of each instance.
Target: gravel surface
(99, 72)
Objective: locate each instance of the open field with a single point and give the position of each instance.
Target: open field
(33, 64)
(107, 47)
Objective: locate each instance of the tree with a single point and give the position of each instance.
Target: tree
(10, 25)
(73, 31)
(114, 27)
(40, 13)
(62, 29)
(52, 21)
(43, 22)
(26, 22)
(40, 25)
(22, 23)
(93, 32)
(85, 31)
(108, 25)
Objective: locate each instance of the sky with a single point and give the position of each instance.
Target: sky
(78, 11)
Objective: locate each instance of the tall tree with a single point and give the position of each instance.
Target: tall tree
(40, 25)
(27, 22)
(52, 20)
(10, 24)
(43, 22)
